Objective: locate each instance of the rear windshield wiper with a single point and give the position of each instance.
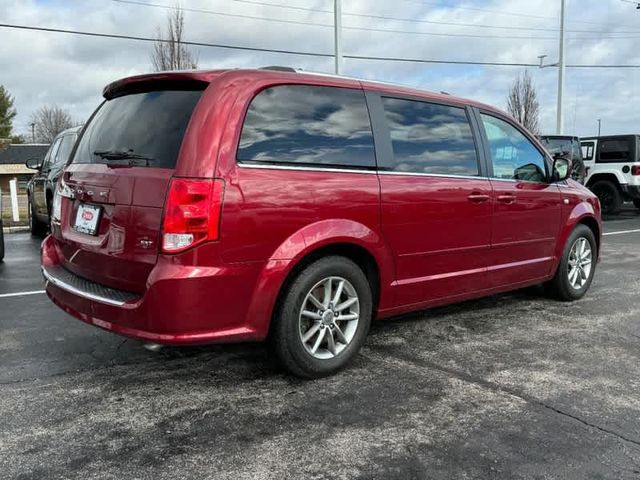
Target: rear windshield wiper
(124, 155)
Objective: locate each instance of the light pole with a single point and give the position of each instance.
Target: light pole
(559, 122)
(599, 125)
(337, 34)
(33, 132)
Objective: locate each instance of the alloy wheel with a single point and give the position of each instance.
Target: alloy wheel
(580, 263)
(329, 317)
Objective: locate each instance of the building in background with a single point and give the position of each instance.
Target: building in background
(12, 159)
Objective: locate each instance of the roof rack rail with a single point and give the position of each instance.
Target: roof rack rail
(279, 68)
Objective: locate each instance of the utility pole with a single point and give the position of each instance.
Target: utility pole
(599, 125)
(559, 124)
(33, 132)
(337, 31)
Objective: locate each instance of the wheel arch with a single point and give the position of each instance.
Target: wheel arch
(594, 226)
(354, 252)
(582, 214)
(357, 242)
(608, 176)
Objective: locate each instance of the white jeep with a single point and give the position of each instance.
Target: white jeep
(613, 169)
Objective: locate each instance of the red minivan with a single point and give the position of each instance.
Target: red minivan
(245, 205)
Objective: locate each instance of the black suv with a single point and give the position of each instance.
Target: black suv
(41, 186)
(568, 146)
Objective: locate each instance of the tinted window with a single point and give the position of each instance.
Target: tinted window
(512, 154)
(65, 149)
(587, 150)
(565, 146)
(430, 138)
(615, 150)
(151, 124)
(298, 124)
(51, 154)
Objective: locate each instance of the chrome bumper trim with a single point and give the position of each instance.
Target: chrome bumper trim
(80, 286)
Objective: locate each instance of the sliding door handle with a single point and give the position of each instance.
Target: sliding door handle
(477, 197)
(508, 198)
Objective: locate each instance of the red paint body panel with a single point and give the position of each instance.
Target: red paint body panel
(438, 235)
(434, 239)
(525, 226)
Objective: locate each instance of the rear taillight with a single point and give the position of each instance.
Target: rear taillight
(635, 170)
(192, 213)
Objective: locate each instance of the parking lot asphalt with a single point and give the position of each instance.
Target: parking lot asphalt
(511, 386)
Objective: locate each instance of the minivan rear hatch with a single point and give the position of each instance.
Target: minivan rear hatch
(117, 182)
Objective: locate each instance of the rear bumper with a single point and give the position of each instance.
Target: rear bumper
(182, 304)
(631, 191)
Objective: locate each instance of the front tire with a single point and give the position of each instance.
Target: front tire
(636, 203)
(609, 196)
(323, 318)
(577, 266)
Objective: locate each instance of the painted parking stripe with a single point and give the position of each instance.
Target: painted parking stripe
(38, 292)
(622, 232)
(21, 294)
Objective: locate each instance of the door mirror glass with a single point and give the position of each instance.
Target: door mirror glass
(34, 163)
(561, 168)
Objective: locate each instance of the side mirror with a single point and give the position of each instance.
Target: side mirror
(561, 168)
(33, 163)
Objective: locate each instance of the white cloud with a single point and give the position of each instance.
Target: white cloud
(71, 71)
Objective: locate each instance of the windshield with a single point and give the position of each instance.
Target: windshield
(148, 125)
(562, 145)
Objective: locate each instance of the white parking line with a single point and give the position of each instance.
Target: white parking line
(37, 292)
(621, 232)
(21, 294)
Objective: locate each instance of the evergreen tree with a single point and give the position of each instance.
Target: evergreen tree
(7, 113)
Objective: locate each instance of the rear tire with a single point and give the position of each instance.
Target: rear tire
(577, 266)
(313, 333)
(636, 202)
(609, 196)
(37, 228)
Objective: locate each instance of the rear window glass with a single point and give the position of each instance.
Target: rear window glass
(587, 150)
(615, 150)
(430, 138)
(148, 125)
(299, 124)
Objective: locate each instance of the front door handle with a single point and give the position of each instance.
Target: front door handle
(508, 198)
(477, 197)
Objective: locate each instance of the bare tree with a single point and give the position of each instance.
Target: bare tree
(49, 121)
(522, 102)
(168, 51)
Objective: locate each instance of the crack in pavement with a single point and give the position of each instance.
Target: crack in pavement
(392, 352)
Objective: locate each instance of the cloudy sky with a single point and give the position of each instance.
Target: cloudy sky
(41, 68)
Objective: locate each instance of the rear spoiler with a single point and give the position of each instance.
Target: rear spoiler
(157, 81)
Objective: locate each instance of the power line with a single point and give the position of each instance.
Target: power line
(148, 39)
(516, 14)
(330, 25)
(294, 52)
(362, 15)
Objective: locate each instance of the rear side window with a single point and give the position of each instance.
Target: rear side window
(615, 150)
(51, 154)
(587, 150)
(299, 124)
(65, 149)
(430, 138)
(148, 124)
